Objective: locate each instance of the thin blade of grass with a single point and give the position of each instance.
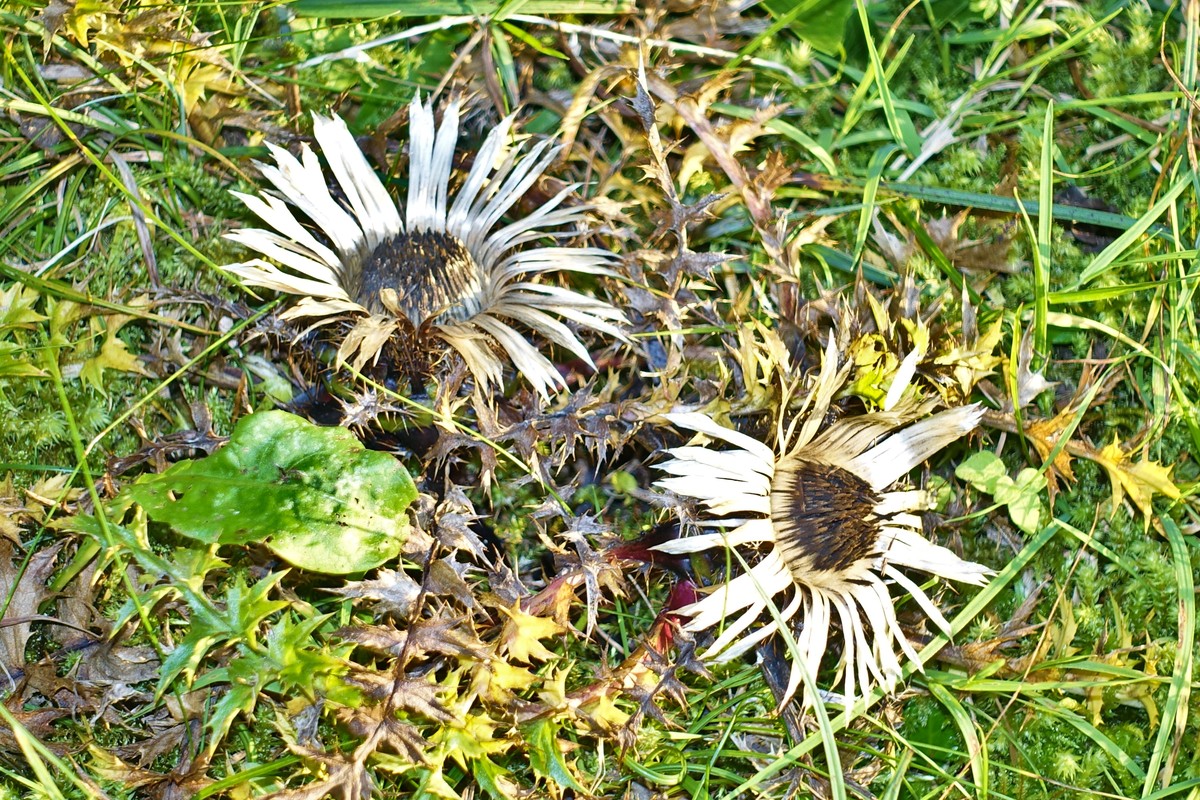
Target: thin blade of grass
(874, 174)
(985, 202)
(335, 9)
(970, 734)
(1101, 293)
(1042, 256)
(1175, 713)
(1104, 262)
(935, 253)
(890, 112)
(36, 755)
(896, 783)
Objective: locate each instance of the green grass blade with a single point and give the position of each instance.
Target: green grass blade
(890, 112)
(874, 173)
(1175, 712)
(1104, 262)
(985, 202)
(334, 9)
(1042, 251)
(970, 734)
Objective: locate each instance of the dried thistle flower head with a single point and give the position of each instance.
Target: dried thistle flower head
(439, 272)
(822, 527)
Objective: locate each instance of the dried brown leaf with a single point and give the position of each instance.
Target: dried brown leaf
(392, 592)
(23, 589)
(444, 578)
(442, 636)
(346, 778)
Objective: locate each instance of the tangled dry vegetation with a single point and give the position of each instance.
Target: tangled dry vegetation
(417, 550)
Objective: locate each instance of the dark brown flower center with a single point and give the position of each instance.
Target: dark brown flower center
(434, 277)
(824, 517)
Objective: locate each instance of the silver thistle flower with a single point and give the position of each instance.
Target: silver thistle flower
(441, 271)
(817, 519)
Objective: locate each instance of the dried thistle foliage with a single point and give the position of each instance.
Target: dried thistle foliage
(463, 662)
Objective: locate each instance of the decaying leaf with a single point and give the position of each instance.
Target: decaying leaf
(975, 356)
(391, 591)
(1045, 434)
(22, 591)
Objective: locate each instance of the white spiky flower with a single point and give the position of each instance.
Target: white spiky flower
(824, 532)
(441, 270)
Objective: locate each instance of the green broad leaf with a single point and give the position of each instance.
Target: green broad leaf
(314, 496)
(983, 470)
(242, 680)
(17, 307)
(493, 779)
(1023, 498)
(821, 23)
(546, 757)
(13, 363)
(446, 8)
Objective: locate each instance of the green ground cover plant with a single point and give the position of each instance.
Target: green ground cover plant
(439, 546)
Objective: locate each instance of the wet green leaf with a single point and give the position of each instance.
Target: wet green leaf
(315, 496)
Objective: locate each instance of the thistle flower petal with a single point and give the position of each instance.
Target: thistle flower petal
(438, 270)
(824, 533)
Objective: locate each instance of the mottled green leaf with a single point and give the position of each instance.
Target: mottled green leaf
(315, 496)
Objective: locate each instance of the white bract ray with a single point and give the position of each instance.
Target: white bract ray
(438, 270)
(825, 534)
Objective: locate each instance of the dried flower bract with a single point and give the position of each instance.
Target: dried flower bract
(441, 272)
(822, 529)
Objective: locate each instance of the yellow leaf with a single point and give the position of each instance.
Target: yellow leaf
(918, 332)
(496, 681)
(554, 693)
(523, 634)
(1140, 480)
(974, 360)
(604, 714)
(113, 353)
(16, 307)
(86, 16)
(507, 676)
(472, 738)
(1045, 433)
(875, 365)
(192, 82)
(692, 164)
